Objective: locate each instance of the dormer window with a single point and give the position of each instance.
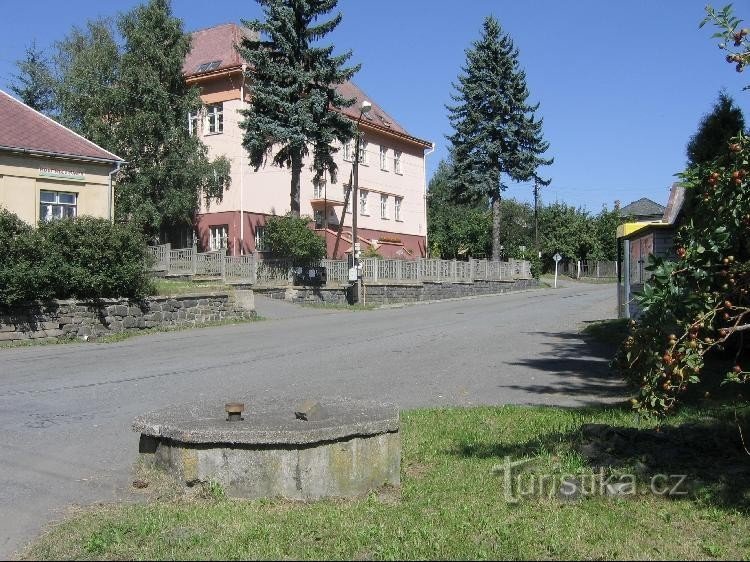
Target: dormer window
(208, 66)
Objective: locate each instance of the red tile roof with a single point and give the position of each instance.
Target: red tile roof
(27, 130)
(218, 44)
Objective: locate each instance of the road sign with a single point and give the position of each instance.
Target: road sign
(557, 257)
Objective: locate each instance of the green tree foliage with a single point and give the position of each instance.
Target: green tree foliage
(457, 229)
(295, 100)
(121, 86)
(715, 131)
(495, 129)
(86, 66)
(168, 168)
(697, 306)
(290, 237)
(734, 39)
(34, 83)
(85, 257)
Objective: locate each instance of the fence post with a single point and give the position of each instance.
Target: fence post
(254, 269)
(597, 269)
(578, 269)
(195, 259)
(399, 270)
(224, 269)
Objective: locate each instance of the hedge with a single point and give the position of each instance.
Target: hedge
(83, 258)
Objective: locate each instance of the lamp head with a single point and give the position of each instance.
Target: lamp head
(366, 106)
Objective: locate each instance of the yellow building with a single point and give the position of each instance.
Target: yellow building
(47, 171)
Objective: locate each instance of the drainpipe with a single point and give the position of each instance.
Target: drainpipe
(242, 169)
(424, 171)
(111, 193)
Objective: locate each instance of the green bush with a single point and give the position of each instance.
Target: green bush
(85, 258)
(290, 237)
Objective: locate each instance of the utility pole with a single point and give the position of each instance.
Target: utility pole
(536, 216)
(366, 107)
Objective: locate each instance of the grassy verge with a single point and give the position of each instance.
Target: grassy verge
(168, 287)
(611, 332)
(122, 336)
(336, 306)
(453, 503)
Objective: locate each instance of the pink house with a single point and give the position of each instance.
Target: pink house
(392, 180)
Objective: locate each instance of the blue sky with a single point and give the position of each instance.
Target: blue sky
(622, 85)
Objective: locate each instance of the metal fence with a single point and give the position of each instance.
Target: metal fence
(266, 272)
(591, 269)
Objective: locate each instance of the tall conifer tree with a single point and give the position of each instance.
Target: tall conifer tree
(294, 96)
(715, 131)
(495, 129)
(34, 83)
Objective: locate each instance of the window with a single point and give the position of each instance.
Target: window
(363, 152)
(397, 161)
(319, 218)
(397, 208)
(363, 202)
(383, 158)
(319, 188)
(57, 205)
(219, 236)
(215, 114)
(260, 238)
(383, 206)
(349, 151)
(193, 122)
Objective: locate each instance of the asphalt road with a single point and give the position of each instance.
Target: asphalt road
(65, 410)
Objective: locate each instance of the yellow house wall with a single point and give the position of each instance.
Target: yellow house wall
(21, 181)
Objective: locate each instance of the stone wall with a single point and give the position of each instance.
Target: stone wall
(382, 293)
(64, 319)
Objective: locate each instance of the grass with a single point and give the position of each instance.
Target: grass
(122, 336)
(169, 287)
(336, 306)
(452, 503)
(611, 332)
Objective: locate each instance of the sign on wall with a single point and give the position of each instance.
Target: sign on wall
(75, 175)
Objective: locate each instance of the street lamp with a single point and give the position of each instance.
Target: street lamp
(365, 108)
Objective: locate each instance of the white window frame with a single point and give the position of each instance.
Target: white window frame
(397, 162)
(215, 118)
(193, 121)
(348, 150)
(218, 237)
(397, 201)
(363, 152)
(260, 235)
(56, 208)
(384, 206)
(384, 158)
(363, 196)
(319, 188)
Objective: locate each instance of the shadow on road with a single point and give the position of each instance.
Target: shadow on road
(581, 364)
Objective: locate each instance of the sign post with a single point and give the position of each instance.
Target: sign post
(557, 258)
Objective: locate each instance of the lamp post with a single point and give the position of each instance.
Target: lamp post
(366, 107)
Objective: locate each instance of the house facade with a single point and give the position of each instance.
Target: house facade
(47, 171)
(392, 175)
(636, 241)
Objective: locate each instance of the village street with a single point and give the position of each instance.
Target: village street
(66, 409)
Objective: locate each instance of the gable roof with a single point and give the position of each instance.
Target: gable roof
(23, 129)
(217, 45)
(643, 206)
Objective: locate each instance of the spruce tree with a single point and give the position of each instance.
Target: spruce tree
(34, 83)
(294, 97)
(495, 129)
(715, 131)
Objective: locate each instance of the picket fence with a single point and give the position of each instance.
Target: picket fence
(250, 269)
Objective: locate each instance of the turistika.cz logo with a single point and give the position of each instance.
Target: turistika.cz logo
(519, 483)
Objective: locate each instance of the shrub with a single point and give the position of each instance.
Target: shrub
(85, 258)
(290, 237)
